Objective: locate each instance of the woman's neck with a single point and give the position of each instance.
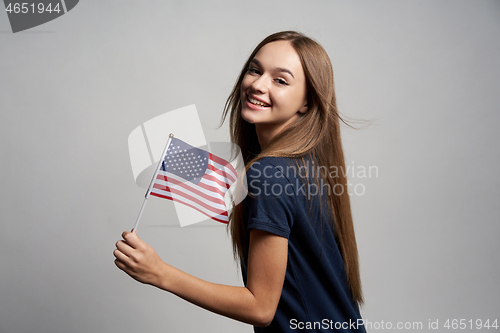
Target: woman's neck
(266, 132)
(264, 136)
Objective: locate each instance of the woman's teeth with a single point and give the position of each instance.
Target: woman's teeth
(257, 102)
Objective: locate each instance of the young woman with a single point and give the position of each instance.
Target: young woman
(293, 234)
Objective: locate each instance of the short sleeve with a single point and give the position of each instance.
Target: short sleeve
(270, 204)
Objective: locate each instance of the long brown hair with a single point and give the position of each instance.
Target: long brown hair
(315, 133)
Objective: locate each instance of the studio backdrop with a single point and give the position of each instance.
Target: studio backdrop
(418, 80)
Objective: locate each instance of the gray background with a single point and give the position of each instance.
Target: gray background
(426, 73)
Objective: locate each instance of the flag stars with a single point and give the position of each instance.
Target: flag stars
(185, 161)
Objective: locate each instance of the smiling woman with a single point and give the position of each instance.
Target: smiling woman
(296, 247)
(273, 90)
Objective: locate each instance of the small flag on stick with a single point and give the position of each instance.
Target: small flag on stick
(193, 177)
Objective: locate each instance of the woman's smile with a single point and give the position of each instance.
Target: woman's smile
(256, 104)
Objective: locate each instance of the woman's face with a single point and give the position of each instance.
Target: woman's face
(273, 91)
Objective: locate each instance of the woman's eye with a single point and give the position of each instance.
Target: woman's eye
(253, 70)
(281, 82)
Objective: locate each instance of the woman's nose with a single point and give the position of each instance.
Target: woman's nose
(259, 85)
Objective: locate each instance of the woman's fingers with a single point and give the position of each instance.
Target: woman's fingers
(139, 260)
(124, 248)
(133, 240)
(120, 265)
(128, 251)
(130, 243)
(134, 255)
(119, 255)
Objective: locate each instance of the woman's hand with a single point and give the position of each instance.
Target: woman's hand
(139, 260)
(255, 304)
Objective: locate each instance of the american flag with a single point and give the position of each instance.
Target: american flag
(195, 178)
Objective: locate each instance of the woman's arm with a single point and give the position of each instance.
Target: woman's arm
(255, 304)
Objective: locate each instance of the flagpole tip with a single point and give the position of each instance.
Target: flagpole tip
(171, 135)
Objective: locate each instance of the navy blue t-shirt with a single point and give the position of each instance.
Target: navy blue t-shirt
(315, 296)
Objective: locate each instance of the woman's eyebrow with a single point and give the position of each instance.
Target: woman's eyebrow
(279, 69)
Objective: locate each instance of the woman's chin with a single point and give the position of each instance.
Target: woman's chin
(249, 117)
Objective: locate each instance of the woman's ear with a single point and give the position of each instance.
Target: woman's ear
(304, 108)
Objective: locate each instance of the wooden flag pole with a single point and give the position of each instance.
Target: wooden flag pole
(170, 137)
